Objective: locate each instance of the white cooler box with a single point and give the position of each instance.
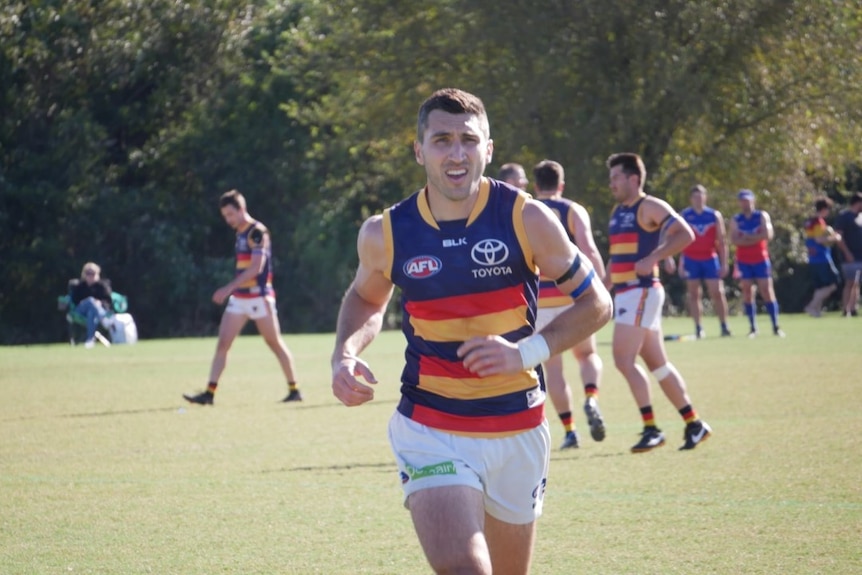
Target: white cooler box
(124, 329)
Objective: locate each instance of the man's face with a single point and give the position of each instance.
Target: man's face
(623, 186)
(698, 200)
(91, 276)
(455, 152)
(232, 216)
(746, 205)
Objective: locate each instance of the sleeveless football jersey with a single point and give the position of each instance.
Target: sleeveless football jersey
(755, 253)
(549, 294)
(629, 242)
(458, 280)
(249, 241)
(817, 253)
(704, 225)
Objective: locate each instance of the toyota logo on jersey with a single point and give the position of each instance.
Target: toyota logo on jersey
(489, 252)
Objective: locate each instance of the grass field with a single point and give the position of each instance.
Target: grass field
(103, 469)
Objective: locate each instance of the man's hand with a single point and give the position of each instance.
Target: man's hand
(349, 390)
(490, 355)
(645, 266)
(221, 294)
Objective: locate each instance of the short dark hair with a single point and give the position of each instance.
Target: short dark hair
(631, 163)
(548, 175)
(508, 171)
(232, 198)
(822, 204)
(451, 101)
(855, 198)
(698, 188)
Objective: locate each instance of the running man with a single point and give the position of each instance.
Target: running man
(750, 232)
(549, 178)
(819, 239)
(249, 295)
(469, 435)
(705, 260)
(645, 230)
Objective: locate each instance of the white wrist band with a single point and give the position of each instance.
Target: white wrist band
(534, 350)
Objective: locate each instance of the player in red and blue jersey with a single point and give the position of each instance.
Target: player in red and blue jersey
(750, 232)
(249, 295)
(819, 239)
(549, 184)
(705, 259)
(645, 230)
(469, 435)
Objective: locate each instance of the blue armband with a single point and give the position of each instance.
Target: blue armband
(584, 285)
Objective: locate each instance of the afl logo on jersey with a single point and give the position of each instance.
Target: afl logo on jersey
(421, 267)
(490, 252)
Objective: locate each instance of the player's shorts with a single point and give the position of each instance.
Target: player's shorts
(850, 270)
(640, 307)
(757, 271)
(823, 274)
(546, 315)
(511, 471)
(252, 308)
(700, 269)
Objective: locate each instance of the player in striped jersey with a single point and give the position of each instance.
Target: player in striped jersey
(549, 179)
(645, 230)
(819, 239)
(469, 434)
(249, 295)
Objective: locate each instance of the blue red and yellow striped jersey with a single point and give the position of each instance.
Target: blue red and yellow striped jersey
(549, 294)
(817, 253)
(755, 253)
(704, 225)
(250, 241)
(458, 280)
(630, 242)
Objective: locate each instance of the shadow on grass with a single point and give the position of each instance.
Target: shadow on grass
(387, 467)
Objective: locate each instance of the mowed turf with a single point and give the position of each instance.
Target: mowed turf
(105, 469)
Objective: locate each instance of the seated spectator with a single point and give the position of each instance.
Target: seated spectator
(92, 299)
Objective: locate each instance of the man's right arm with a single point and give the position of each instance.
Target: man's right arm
(361, 316)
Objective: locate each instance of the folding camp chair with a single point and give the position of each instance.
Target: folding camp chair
(77, 322)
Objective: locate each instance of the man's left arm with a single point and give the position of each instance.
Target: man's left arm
(259, 244)
(676, 234)
(558, 258)
(721, 243)
(765, 232)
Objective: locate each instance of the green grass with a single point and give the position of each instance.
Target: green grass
(103, 469)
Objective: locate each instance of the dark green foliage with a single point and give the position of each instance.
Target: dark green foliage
(121, 122)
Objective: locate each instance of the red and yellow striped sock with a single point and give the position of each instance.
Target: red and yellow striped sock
(688, 414)
(591, 390)
(568, 421)
(647, 416)
(211, 387)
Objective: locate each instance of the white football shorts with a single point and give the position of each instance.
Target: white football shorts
(640, 307)
(252, 308)
(511, 471)
(546, 315)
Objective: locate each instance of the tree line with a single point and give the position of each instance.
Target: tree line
(123, 121)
